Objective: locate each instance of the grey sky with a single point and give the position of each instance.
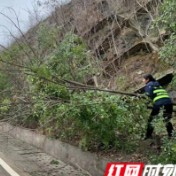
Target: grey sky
(5, 24)
(22, 8)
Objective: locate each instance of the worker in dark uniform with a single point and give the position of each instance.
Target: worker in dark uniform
(160, 99)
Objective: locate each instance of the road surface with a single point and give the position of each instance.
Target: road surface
(7, 168)
(18, 158)
(3, 172)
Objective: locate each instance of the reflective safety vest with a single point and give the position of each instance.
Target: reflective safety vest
(159, 93)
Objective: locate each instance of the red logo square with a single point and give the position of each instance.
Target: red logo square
(124, 169)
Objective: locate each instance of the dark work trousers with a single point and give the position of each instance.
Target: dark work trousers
(167, 114)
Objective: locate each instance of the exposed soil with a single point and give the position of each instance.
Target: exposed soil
(129, 76)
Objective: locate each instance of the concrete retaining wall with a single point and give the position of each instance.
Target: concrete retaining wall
(67, 153)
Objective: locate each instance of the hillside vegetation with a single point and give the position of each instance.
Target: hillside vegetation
(56, 78)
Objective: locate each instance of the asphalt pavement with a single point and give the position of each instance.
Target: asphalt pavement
(3, 172)
(18, 158)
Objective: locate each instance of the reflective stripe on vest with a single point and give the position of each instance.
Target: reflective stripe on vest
(160, 93)
(160, 90)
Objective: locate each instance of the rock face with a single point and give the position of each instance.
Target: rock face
(115, 30)
(172, 94)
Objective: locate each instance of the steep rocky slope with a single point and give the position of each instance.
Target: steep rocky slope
(123, 45)
(118, 33)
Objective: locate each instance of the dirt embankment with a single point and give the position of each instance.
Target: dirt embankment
(118, 33)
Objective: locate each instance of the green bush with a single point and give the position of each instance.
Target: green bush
(168, 154)
(97, 118)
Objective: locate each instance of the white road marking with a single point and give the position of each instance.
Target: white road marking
(8, 168)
